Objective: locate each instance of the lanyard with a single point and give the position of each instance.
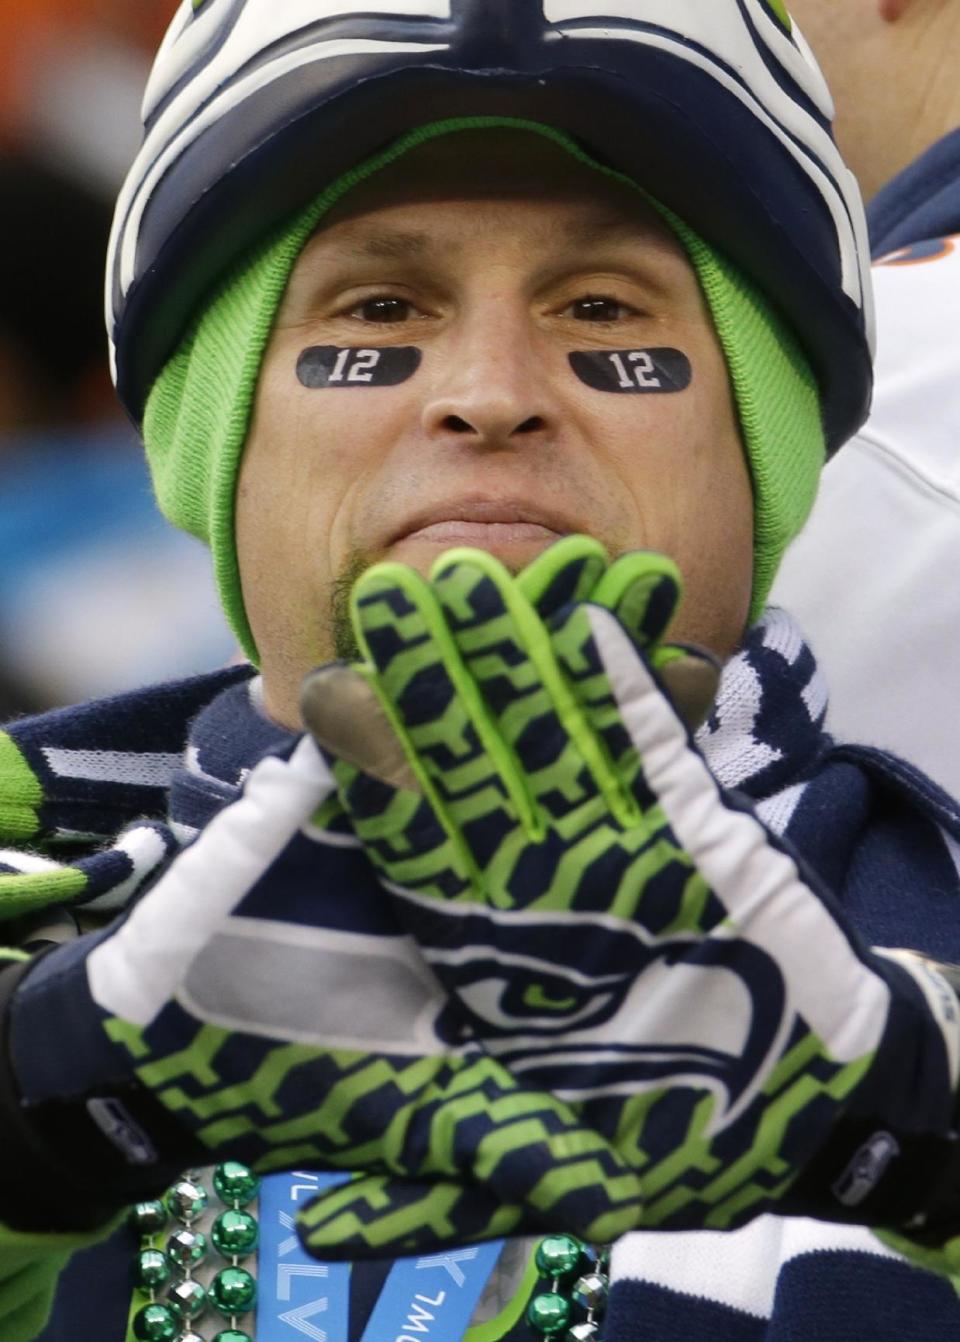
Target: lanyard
(425, 1299)
(432, 1298)
(297, 1296)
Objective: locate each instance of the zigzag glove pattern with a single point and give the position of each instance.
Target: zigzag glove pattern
(618, 928)
(262, 1003)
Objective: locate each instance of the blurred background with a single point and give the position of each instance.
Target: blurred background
(97, 593)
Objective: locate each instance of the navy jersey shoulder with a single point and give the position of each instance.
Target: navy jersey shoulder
(920, 203)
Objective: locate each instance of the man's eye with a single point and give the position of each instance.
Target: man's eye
(383, 310)
(595, 308)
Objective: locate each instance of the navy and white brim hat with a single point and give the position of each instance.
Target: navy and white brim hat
(716, 107)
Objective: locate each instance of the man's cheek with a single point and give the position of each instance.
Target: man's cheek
(345, 367)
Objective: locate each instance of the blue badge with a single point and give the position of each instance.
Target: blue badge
(432, 1298)
(297, 1295)
(425, 1299)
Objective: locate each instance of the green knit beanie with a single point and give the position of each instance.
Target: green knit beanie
(199, 408)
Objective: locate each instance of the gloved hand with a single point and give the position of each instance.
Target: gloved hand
(262, 1003)
(500, 976)
(620, 929)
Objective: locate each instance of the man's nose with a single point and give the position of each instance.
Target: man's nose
(493, 390)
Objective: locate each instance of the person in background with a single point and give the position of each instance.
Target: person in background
(52, 366)
(71, 78)
(84, 550)
(873, 577)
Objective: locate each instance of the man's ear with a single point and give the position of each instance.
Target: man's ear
(891, 10)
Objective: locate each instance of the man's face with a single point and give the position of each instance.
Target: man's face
(496, 257)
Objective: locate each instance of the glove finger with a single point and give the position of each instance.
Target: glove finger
(341, 710)
(505, 647)
(430, 697)
(374, 1216)
(723, 841)
(691, 678)
(144, 963)
(475, 1122)
(637, 852)
(379, 789)
(467, 1125)
(566, 572)
(687, 677)
(643, 589)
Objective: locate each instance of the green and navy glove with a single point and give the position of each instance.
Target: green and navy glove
(621, 930)
(262, 1003)
(527, 775)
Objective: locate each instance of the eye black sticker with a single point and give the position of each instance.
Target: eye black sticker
(633, 372)
(335, 366)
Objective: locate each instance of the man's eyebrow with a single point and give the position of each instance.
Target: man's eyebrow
(414, 244)
(399, 246)
(613, 228)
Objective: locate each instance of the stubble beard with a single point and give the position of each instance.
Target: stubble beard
(342, 637)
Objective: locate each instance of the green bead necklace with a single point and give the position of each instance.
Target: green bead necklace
(167, 1271)
(574, 1284)
(567, 1306)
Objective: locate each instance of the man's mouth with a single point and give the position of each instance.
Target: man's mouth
(484, 523)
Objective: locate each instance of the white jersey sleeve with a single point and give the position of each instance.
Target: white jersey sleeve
(874, 578)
